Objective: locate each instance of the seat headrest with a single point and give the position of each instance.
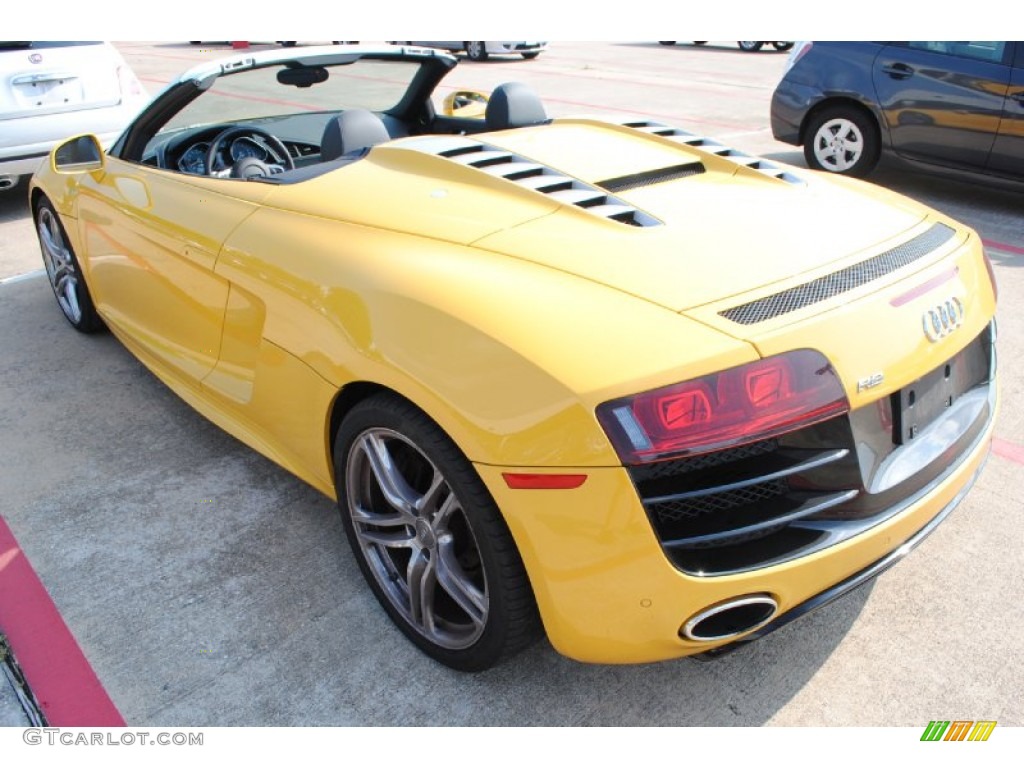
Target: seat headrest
(514, 105)
(352, 130)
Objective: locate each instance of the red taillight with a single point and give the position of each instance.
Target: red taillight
(129, 84)
(751, 402)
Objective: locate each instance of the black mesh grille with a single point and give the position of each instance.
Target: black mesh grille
(675, 511)
(648, 178)
(840, 282)
(658, 470)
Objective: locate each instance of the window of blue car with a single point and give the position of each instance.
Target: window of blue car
(980, 50)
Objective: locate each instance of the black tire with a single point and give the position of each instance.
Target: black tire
(842, 139)
(442, 564)
(476, 51)
(782, 46)
(64, 271)
(750, 46)
(530, 55)
(700, 42)
(666, 42)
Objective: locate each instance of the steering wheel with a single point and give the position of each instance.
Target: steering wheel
(274, 144)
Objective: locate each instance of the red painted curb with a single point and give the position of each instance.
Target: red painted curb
(1008, 450)
(63, 682)
(1003, 247)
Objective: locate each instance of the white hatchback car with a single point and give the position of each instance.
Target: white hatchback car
(52, 90)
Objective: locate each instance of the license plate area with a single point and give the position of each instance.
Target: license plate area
(921, 402)
(47, 90)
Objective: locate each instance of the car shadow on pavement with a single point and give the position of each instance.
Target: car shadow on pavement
(14, 201)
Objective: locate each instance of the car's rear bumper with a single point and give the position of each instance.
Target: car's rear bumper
(791, 103)
(608, 594)
(851, 583)
(522, 47)
(28, 140)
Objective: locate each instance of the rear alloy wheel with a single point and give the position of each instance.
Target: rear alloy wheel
(782, 45)
(428, 537)
(64, 271)
(530, 55)
(476, 51)
(750, 46)
(842, 140)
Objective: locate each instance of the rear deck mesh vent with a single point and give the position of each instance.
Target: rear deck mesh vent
(649, 178)
(839, 282)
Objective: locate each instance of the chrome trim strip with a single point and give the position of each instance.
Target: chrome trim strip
(804, 510)
(707, 613)
(817, 461)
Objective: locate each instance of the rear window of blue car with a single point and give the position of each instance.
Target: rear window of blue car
(980, 50)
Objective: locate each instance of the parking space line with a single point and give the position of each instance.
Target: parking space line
(22, 276)
(1008, 450)
(61, 678)
(996, 246)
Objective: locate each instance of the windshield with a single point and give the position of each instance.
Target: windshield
(373, 84)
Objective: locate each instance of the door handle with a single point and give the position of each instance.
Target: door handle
(897, 71)
(1018, 97)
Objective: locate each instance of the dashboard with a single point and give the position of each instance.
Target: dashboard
(189, 151)
(261, 141)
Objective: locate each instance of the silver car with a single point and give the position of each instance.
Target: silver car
(480, 50)
(52, 90)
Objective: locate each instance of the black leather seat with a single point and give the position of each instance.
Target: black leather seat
(351, 131)
(514, 105)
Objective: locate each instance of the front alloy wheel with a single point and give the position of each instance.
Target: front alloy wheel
(64, 272)
(429, 539)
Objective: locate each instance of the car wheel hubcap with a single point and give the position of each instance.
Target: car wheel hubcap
(838, 145)
(416, 539)
(59, 266)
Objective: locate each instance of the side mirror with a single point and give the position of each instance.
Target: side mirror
(81, 154)
(465, 104)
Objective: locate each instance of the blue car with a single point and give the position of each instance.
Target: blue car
(959, 105)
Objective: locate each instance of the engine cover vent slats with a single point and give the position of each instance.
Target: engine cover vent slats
(767, 167)
(535, 176)
(576, 196)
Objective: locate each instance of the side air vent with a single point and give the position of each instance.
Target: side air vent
(649, 178)
(536, 176)
(766, 167)
(839, 282)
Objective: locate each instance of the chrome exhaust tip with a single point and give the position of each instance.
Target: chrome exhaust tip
(6, 182)
(730, 619)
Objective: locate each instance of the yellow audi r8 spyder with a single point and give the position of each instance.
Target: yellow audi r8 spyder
(610, 380)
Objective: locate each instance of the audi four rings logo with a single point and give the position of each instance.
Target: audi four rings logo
(942, 320)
